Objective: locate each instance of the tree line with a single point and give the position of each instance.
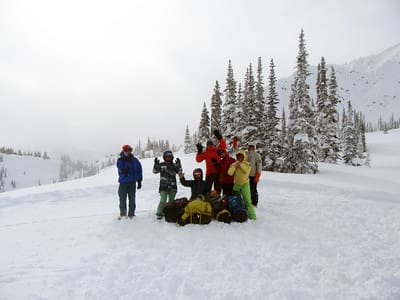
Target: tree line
(312, 131)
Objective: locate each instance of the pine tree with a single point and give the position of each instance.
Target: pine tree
(327, 116)
(349, 136)
(272, 144)
(204, 126)
(302, 157)
(238, 120)
(229, 112)
(249, 118)
(259, 107)
(216, 108)
(188, 144)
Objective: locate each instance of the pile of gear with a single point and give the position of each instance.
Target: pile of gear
(205, 208)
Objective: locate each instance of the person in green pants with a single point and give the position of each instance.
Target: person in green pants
(168, 187)
(240, 171)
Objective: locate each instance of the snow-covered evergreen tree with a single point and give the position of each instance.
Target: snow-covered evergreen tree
(271, 151)
(216, 108)
(204, 126)
(249, 118)
(327, 116)
(188, 143)
(238, 120)
(259, 108)
(349, 136)
(229, 112)
(302, 157)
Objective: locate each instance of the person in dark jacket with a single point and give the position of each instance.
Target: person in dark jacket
(168, 187)
(198, 186)
(212, 159)
(130, 173)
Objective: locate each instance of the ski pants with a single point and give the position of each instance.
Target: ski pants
(127, 189)
(244, 190)
(163, 199)
(213, 179)
(227, 188)
(253, 190)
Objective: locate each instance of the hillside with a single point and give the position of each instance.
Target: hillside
(333, 235)
(27, 171)
(371, 83)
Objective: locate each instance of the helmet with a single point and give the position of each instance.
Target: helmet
(167, 155)
(198, 172)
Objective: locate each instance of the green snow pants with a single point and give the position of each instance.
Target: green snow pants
(163, 199)
(244, 190)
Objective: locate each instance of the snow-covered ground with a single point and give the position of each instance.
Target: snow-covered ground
(333, 235)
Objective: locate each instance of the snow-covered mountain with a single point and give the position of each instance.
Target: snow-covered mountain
(27, 171)
(332, 235)
(371, 83)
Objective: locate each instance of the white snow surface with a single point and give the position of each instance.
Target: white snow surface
(333, 235)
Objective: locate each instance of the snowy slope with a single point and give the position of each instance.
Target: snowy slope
(334, 235)
(371, 83)
(29, 171)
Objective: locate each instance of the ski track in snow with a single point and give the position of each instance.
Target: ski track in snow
(324, 236)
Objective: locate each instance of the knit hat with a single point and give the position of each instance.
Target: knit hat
(127, 148)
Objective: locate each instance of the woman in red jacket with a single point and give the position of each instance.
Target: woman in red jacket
(212, 161)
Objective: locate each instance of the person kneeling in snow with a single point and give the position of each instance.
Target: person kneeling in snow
(130, 172)
(240, 171)
(198, 186)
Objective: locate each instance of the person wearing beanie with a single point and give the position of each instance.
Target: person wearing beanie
(130, 178)
(254, 159)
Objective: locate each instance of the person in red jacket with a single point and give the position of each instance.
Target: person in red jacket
(225, 179)
(212, 160)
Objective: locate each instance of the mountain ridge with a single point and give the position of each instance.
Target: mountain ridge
(371, 83)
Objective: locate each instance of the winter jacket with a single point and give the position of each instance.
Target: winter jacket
(224, 164)
(168, 171)
(255, 160)
(198, 187)
(211, 157)
(240, 173)
(129, 169)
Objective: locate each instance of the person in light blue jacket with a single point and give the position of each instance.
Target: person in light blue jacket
(130, 173)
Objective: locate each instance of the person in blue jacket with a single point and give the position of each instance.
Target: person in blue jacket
(130, 173)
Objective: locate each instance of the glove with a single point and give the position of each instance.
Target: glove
(257, 177)
(235, 142)
(139, 185)
(156, 161)
(199, 148)
(217, 134)
(214, 162)
(125, 171)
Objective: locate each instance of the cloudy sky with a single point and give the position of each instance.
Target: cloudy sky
(90, 76)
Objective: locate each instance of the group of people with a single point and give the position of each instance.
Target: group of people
(223, 174)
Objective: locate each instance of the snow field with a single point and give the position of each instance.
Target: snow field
(334, 235)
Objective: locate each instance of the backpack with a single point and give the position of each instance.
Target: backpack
(174, 209)
(237, 207)
(196, 211)
(220, 213)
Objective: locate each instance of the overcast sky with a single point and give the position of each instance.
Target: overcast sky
(93, 75)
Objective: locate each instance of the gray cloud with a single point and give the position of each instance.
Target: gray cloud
(93, 75)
